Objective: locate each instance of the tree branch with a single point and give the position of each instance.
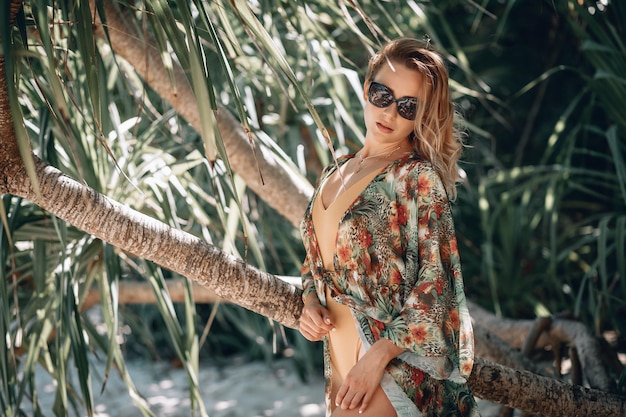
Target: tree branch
(541, 395)
(514, 333)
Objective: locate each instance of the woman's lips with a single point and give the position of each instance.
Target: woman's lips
(383, 128)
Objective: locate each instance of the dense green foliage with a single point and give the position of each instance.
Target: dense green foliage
(541, 216)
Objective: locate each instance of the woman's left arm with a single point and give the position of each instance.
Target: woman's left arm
(433, 323)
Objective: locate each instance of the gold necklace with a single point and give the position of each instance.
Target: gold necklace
(386, 154)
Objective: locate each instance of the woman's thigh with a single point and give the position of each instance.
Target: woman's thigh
(380, 406)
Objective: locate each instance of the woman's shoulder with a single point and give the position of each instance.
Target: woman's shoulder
(416, 172)
(414, 165)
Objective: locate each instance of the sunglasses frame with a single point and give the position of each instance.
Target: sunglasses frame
(399, 101)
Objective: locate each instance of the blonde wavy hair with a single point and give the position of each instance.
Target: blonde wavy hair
(438, 133)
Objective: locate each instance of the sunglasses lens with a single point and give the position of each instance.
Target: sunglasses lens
(380, 96)
(407, 108)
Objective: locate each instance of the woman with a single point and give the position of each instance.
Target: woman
(382, 279)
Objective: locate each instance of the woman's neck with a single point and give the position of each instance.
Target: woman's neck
(373, 150)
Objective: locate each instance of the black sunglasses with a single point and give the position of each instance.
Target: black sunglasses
(381, 96)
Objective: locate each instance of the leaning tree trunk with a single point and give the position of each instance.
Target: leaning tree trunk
(242, 284)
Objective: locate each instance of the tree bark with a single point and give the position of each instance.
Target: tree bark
(540, 395)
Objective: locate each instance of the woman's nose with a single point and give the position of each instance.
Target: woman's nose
(391, 110)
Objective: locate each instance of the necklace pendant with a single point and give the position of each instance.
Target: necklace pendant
(385, 154)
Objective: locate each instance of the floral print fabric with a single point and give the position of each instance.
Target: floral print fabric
(397, 267)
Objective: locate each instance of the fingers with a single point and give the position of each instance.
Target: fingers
(321, 318)
(351, 400)
(315, 322)
(367, 398)
(341, 396)
(327, 322)
(356, 393)
(312, 333)
(348, 398)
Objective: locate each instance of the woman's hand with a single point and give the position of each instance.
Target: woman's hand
(315, 320)
(364, 378)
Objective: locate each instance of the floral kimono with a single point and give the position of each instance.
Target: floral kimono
(397, 267)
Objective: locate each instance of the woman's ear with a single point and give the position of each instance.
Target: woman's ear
(366, 86)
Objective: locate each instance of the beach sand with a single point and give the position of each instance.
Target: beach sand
(252, 389)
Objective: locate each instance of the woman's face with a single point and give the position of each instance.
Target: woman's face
(385, 125)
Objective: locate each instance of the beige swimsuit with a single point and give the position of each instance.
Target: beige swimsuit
(344, 342)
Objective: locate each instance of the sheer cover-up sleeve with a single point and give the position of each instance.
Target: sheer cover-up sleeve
(433, 325)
